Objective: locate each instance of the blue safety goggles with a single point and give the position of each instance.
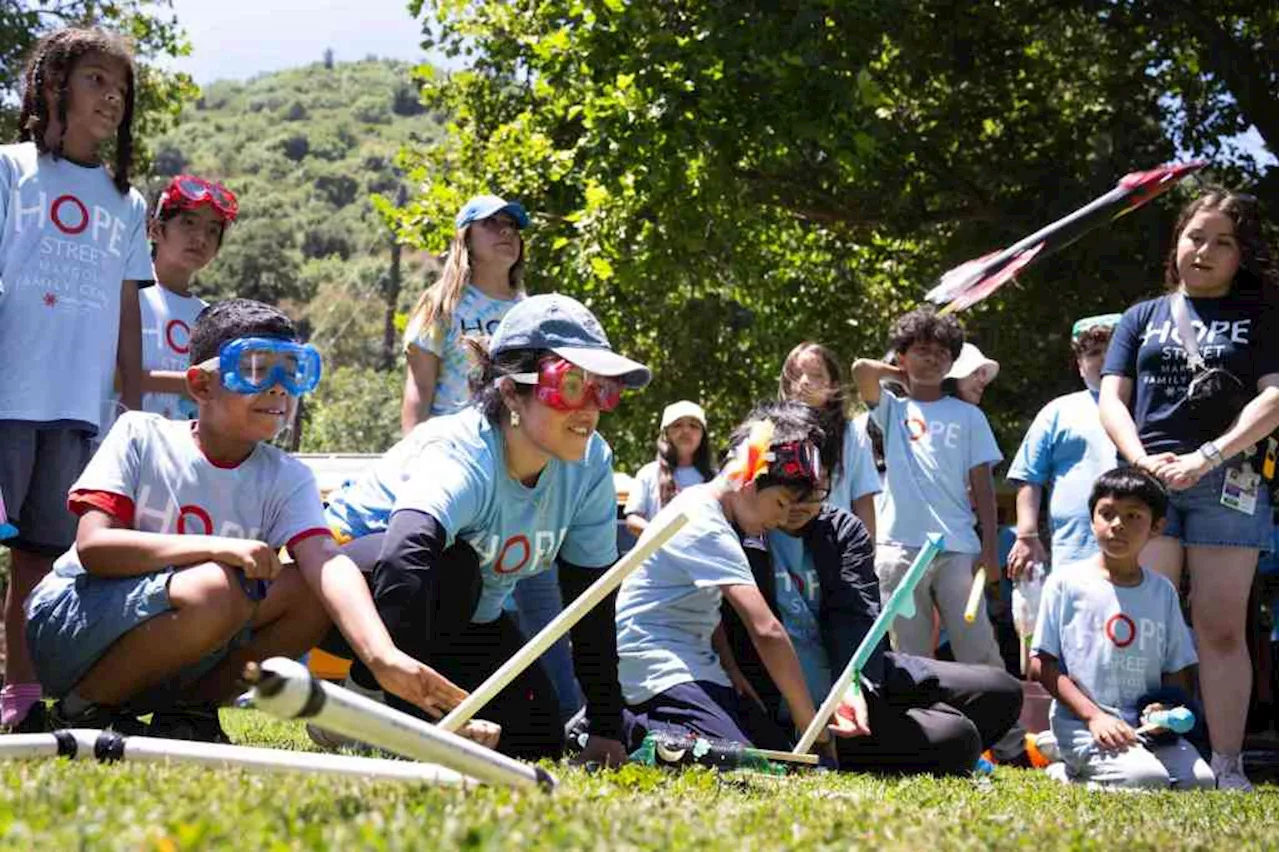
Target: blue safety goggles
(255, 364)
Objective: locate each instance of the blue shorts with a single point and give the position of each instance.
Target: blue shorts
(1198, 518)
(704, 709)
(73, 621)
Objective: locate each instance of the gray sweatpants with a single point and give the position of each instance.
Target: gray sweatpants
(1155, 767)
(945, 584)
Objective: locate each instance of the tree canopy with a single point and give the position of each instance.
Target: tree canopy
(720, 181)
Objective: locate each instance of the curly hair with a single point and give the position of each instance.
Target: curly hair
(925, 324)
(831, 414)
(54, 58)
(1256, 277)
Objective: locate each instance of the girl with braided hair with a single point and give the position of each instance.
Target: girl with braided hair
(73, 247)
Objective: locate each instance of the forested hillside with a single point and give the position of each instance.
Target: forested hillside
(305, 150)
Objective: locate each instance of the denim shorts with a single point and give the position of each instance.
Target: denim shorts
(1197, 516)
(73, 621)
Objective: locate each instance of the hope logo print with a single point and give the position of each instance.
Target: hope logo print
(193, 520)
(177, 334)
(513, 556)
(69, 214)
(1121, 630)
(917, 428)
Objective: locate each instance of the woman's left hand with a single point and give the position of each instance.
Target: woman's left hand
(1185, 471)
(602, 751)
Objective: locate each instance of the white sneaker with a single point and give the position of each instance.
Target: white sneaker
(1058, 772)
(1229, 770)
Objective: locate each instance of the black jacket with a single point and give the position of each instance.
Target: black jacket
(844, 557)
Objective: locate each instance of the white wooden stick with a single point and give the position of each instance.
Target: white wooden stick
(108, 746)
(284, 688)
(547, 636)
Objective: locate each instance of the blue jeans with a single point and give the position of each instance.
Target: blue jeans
(1198, 518)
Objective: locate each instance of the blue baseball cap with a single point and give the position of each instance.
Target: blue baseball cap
(484, 206)
(564, 326)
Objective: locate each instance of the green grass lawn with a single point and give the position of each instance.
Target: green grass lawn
(56, 804)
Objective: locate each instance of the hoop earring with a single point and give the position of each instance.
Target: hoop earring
(515, 419)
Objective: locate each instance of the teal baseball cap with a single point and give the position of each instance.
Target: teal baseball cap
(1099, 321)
(484, 206)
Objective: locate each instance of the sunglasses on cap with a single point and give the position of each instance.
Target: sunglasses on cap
(249, 365)
(567, 387)
(187, 192)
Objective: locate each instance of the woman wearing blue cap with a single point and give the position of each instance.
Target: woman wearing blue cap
(472, 503)
(480, 282)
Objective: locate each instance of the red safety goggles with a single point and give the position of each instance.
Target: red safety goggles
(568, 387)
(187, 192)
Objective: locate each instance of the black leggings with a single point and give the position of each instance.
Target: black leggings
(933, 716)
(467, 653)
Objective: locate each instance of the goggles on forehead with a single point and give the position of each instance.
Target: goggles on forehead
(250, 365)
(795, 462)
(567, 387)
(187, 192)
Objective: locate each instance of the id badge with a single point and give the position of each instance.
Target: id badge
(1240, 489)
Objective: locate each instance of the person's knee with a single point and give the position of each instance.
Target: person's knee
(1148, 776)
(214, 592)
(956, 745)
(1220, 637)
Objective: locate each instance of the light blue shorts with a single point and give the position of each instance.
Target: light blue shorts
(1197, 516)
(73, 621)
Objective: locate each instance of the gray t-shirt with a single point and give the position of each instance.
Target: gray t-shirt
(1115, 642)
(668, 609)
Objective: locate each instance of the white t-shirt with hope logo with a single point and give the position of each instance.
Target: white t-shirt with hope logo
(151, 475)
(167, 320)
(68, 239)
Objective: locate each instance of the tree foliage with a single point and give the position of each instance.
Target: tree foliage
(722, 180)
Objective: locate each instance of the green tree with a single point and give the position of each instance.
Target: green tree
(720, 181)
(150, 26)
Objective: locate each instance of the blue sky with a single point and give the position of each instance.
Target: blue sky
(235, 39)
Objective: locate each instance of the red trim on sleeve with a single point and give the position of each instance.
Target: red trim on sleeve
(117, 506)
(305, 534)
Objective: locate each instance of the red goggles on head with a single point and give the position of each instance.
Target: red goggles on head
(187, 192)
(796, 463)
(567, 387)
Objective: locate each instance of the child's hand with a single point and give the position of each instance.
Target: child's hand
(851, 718)
(1154, 707)
(482, 732)
(257, 559)
(1111, 733)
(603, 751)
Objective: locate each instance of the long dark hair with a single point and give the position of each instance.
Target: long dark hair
(669, 460)
(54, 58)
(1256, 278)
(831, 414)
(487, 371)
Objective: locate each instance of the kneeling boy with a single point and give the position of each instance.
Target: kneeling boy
(1111, 632)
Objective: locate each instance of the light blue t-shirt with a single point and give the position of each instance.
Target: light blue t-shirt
(858, 475)
(68, 241)
(799, 596)
(477, 315)
(460, 478)
(1066, 449)
(643, 499)
(669, 607)
(929, 449)
(362, 506)
(1115, 642)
